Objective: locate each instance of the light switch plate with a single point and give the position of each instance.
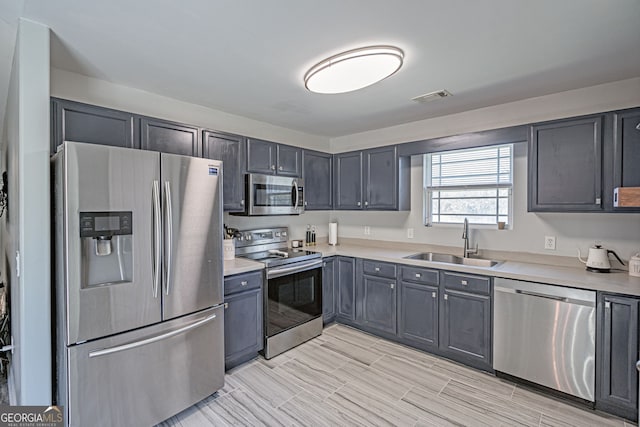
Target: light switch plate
(409, 233)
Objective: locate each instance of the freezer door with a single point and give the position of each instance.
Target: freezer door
(106, 287)
(145, 376)
(192, 203)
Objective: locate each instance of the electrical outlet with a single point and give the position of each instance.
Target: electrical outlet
(409, 233)
(550, 242)
(367, 230)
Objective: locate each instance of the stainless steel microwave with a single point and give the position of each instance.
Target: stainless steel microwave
(273, 195)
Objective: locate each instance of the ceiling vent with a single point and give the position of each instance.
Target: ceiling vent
(432, 96)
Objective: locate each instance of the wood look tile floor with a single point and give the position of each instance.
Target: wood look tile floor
(348, 378)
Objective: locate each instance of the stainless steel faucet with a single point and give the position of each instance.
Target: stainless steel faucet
(465, 237)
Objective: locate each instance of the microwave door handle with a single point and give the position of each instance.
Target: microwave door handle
(295, 187)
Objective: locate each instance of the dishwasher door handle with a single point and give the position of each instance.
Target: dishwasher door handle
(535, 294)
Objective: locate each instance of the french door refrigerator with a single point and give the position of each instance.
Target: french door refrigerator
(139, 283)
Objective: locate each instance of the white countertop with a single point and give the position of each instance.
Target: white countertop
(616, 281)
(241, 265)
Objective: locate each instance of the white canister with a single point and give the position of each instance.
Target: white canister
(634, 265)
(229, 248)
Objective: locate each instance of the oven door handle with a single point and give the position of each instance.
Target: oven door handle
(272, 273)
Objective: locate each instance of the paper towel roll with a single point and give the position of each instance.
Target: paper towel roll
(333, 233)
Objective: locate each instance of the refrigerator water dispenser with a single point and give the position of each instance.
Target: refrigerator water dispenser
(107, 253)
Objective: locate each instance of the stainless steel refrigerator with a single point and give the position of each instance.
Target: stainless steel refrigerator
(139, 283)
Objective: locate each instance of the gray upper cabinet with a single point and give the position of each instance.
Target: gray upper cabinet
(465, 320)
(328, 290)
(375, 179)
(74, 121)
(169, 137)
(346, 288)
(273, 159)
(565, 165)
(347, 193)
(318, 179)
(230, 149)
(626, 152)
(616, 355)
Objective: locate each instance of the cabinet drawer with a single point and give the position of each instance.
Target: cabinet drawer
(242, 282)
(382, 269)
(466, 282)
(419, 275)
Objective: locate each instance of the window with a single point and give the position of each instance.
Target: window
(473, 183)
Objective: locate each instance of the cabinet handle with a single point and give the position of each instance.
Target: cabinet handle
(463, 282)
(305, 203)
(433, 294)
(446, 297)
(392, 285)
(324, 264)
(280, 168)
(638, 362)
(377, 269)
(273, 167)
(226, 305)
(358, 203)
(638, 126)
(242, 202)
(607, 305)
(418, 275)
(598, 200)
(243, 283)
(366, 203)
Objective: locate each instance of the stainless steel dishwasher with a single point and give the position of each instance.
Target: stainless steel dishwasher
(545, 334)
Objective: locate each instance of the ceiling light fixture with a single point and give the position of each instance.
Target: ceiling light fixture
(353, 69)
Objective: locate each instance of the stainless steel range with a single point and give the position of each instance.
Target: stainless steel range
(293, 290)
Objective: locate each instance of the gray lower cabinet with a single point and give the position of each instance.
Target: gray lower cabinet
(169, 137)
(318, 179)
(75, 121)
(243, 327)
(616, 355)
(328, 290)
(230, 149)
(465, 318)
(418, 307)
(565, 165)
(345, 286)
(379, 303)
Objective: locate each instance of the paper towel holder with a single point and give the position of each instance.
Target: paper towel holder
(333, 233)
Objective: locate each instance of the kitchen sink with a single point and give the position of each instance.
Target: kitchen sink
(452, 259)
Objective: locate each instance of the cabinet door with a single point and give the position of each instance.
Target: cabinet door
(466, 327)
(261, 156)
(418, 313)
(316, 171)
(229, 149)
(626, 151)
(381, 178)
(565, 166)
(243, 333)
(169, 137)
(74, 121)
(617, 354)
(348, 181)
(345, 275)
(289, 160)
(379, 303)
(328, 294)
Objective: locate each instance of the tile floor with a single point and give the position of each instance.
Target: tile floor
(349, 378)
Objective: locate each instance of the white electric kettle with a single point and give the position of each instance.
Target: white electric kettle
(598, 259)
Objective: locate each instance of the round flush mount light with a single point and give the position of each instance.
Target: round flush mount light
(353, 69)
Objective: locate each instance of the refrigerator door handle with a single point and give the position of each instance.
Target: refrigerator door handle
(157, 236)
(157, 338)
(168, 236)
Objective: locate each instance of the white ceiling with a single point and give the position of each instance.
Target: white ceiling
(248, 57)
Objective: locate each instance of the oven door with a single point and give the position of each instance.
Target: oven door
(274, 195)
(294, 296)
